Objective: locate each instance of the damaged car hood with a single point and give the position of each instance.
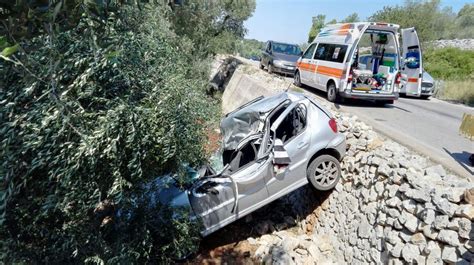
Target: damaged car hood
(250, 118)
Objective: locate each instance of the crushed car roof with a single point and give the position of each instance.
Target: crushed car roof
(249, 118)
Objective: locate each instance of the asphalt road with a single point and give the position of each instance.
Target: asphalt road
(430, 127)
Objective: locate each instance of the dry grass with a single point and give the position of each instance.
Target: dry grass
(459, 91)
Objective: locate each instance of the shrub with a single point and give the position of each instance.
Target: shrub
(88, 116)
(449, 63)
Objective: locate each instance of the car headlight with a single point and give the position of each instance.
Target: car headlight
(279, 63)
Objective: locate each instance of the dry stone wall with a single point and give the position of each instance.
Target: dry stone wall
(391, 207)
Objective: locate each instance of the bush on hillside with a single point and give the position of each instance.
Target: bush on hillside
(88, 116)
(449, 63)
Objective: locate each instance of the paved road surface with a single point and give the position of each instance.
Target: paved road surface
(430, 127)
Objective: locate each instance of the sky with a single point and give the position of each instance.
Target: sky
(290, 20)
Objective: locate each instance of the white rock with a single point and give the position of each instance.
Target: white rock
(289, 244)
(437, 170)
(441, 221)
(394, 202)
(410, 252)
(430, 232)
(412, 223)
(397, 250)
(418, 239)
(417, 195)
(444, 206)
(409, 205)
(449, 255)
(449, 237)
(465, 228)
(434, 256)
(465, 210)
(428, 216)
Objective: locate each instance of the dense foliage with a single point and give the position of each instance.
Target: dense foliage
(449, 63)
(91, 111)
(431, 21)
(250, 48)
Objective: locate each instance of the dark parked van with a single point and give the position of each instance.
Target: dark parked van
(280, 57)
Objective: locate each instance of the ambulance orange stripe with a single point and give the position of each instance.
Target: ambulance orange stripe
(307, 66)
(413, 80)
(324, 70)
(335, 72)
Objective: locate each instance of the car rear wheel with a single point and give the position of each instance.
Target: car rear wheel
(332, 93)
(297, 79)
(324, 172)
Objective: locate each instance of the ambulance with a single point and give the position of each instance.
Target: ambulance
(362, 60)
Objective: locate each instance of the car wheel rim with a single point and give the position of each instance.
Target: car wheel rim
(326, 173)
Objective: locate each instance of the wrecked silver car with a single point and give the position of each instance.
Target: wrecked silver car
(270, 147)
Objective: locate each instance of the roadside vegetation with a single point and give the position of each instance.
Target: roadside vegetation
(97, 100)
(454, 68)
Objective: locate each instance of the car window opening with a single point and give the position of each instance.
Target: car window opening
(293, 124)
(238, 159)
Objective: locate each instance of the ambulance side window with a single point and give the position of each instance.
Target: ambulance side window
(309, 52)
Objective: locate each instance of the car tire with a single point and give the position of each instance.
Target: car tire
(270, 68)
(297, 79)
(261, 65)
(332, 92)
(324, 172)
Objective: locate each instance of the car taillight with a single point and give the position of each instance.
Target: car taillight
(398, 78)
(333, 125)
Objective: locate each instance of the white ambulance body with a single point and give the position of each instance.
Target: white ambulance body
(360, 60)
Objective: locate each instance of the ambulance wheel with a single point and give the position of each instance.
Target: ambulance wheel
(384, 102)
(297, 79)
(332, 92)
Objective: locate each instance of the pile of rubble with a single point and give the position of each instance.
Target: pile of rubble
(391, 206)
(463, 44)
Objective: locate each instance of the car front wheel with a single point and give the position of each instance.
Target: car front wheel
(270, 68)
(324, 172)
(297, 80)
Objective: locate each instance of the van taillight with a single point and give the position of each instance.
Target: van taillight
(398, 78)
(333, 125)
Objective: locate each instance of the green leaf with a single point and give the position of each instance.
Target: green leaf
(3, 42)
(10, 50)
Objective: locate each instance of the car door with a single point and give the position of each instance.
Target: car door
(412, 69)
(293, 121)
(220, 200)
(307, 66)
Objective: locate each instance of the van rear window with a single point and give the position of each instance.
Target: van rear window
(331, 52)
